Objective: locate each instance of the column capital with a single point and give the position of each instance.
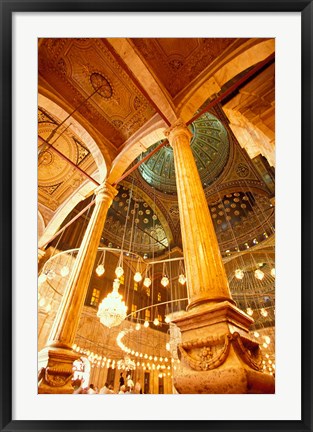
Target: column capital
(104, 191)
(177, 128)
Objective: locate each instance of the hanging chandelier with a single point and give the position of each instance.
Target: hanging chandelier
(126, 364)
(112, 310)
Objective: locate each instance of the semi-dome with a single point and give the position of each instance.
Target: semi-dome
(210, 147)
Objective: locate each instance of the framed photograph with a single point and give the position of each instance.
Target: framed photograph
(156, 242)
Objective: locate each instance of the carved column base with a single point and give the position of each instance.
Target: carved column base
(56, 370)
(217, 355)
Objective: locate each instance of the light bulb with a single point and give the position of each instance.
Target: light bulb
(137, 277)
(100, 270)
(239, 274)
(167, 319)
(256, 334)
(119, 271)
(267, 340)
(138, 326)
(147, 282)
(42, 278)
(146, 324)
(48, 308)
(249, 311)
(265, 345)
(156, 322)
(51, 274)
(182, 279)
(165, 281)
(264, 312)
(42, 302)
(168, 346)
(259, 274)
(64, 271)
(273, 273)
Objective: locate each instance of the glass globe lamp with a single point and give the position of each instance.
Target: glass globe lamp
(64, 271)
(42, 278)
(249, 311)
(165, 281)
(137, 277)
(147, 282)
(259, 274)
(100, 270)
(119, 271)
(182, 279)
(239, 274)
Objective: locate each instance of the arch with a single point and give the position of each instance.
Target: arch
(63, 211)
(238, 61)
(151, 133)
(251, 137)
(86, 188)
(102, 160)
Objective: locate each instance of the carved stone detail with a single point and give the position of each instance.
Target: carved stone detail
(56, 377)
(210, 353)
(205, 354)
(248, 350)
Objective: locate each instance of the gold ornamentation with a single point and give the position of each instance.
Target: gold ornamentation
(210, 353)
(207, 354)
(55, 377)
(248, 350)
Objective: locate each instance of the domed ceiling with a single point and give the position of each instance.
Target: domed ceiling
(210, 147)
(242, 219)
(132, 215)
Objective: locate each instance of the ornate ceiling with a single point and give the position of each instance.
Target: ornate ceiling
(210, 147)
(81, 69)
(177, 62)
(57, 176)
(133, 225)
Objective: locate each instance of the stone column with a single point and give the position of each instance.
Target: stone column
(206, 283)
(216, 353)
(57, 357)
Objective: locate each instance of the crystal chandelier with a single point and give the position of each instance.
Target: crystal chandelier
(112, 310)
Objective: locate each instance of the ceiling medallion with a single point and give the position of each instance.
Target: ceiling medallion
(46, 157)
(100, 83)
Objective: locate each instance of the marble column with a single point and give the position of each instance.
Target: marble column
(55, 360)
(217, 355)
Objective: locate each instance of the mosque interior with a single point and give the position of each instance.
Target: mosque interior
(156, 214)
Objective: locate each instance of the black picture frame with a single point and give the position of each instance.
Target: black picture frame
(7, 9)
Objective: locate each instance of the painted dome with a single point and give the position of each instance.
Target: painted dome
(210, 147)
